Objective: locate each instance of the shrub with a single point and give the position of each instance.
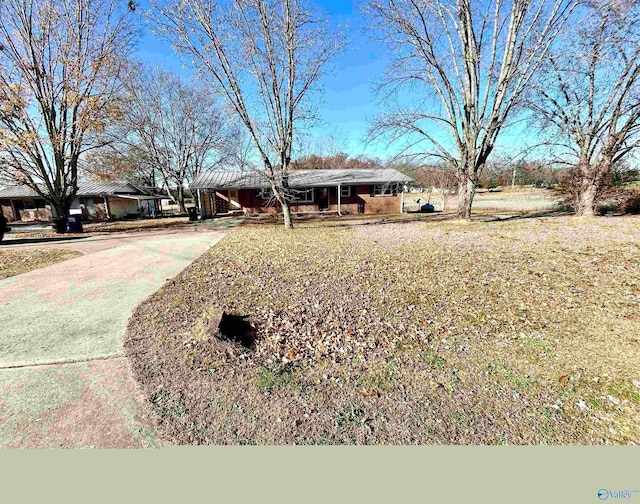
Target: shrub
(622, 200)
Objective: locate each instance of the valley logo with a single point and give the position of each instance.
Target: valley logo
(604, 494)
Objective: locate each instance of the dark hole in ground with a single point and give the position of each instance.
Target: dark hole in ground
(236, 328)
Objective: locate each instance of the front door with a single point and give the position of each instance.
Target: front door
(323, 199)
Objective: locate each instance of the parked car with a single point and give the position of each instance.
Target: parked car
(3, 226)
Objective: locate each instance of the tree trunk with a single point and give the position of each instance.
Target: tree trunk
(196, 197)
(592, 182)
(286, 211)
(587, 206)
(181, 199)
(61, 213)
(466, 192)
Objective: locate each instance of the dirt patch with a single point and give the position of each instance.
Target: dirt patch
(408, 333)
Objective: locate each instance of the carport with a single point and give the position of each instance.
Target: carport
(155, 198)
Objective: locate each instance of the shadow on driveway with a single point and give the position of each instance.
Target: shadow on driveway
(35, 241)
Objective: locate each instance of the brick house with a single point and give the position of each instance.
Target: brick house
(345, 191)
(95, 201)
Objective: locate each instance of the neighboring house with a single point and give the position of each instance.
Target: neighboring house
(95, 201)
(346, 191)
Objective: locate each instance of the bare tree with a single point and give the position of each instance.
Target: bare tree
(442, 178)
(342, 160)
(60, 67)
(587, 99)
(265, 57)
(122, 161)
(469, 62)
(177, 128)
(309, 144)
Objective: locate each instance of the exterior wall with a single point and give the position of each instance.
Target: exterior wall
(378, 204)
(7, 209)
(39, 214)
(252, 204)
(42, 212)
(360, 201)
(120, 208)
(100, 209)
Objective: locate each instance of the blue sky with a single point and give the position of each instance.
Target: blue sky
(348, 100)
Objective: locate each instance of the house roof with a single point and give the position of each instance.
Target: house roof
(17, 191)
(117, 187)
(84, 189)
(298, 178)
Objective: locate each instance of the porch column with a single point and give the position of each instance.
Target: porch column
(339, 198)
(402, 201)
(106, 207)
(201, 201)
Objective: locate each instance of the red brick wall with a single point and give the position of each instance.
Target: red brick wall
(360, 201)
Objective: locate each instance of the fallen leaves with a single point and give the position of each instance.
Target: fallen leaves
(16, 262)
(504, 322)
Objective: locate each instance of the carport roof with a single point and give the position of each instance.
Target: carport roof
(298, 178)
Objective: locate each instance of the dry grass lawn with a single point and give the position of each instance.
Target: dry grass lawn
(98, 228)
(523, 331)
(15, 261)
(519, 199)
(136, 225)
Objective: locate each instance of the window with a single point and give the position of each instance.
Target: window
(385, 190)
(304, 196)
(265, 194)
(29, 204)
(345, 191)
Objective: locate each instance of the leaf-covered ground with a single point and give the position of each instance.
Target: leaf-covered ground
(519, 331)
(15, 262)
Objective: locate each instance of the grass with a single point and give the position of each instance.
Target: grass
(506, 199)
(16, 262)
(98, 228)
(105, 228)
(403, 331)
(136, 225)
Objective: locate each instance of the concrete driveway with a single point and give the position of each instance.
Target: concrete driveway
(63, 378)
